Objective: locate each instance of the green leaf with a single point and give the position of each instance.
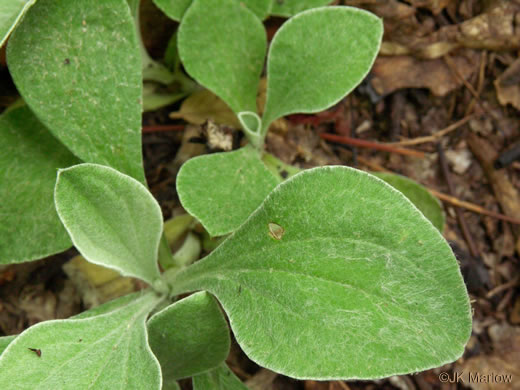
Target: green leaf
(11, 12)
(154, 97)
(428, 204)
(292, 7)
(111, 218)
(170, 385)
(77, 65)
(152, 70)
(29, 157)
(104, 352)
(189, 337)
(358, 280)
(175, 9)
(227, 59)
(261, 8)
(222, 189)
(221, 378)
(109, 306)
(318, 57)
(4, 342)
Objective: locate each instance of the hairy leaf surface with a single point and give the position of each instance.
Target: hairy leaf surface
(29, 157)
(428, 204)
(112, 219)
(77, 64)
(189, 337)
(222, 45)
(109, 351)
(338, 265)
(175, 9)
(261, 8)
(221, 378)
(4, 342)
(292, 7)
(222, 189)
(318, 57)
(11, 12)
(109, 306)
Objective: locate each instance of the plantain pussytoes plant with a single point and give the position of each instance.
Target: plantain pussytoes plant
(329, 274)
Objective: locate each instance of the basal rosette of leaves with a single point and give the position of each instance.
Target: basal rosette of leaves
(351, 280)
(332, 263)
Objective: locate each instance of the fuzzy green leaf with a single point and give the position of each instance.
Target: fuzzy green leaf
(428, 204)
(221, 378)
(338, 266)
(292, 7)
(11, 12)
(222, 45)
(4, 342)
(170, 385)
(77, 64)
(189, 337)
(222, 189)
(261, 8)
(109, 351)
(175, 9)
(318, 57)
(29, 157)
(111, 218)
(109, 306)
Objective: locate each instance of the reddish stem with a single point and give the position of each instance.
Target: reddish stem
(159, 128)
(370, 145)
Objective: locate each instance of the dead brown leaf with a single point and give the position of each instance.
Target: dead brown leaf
(392, 73)
(508, 85)
(506, 194)
(495, 29)
(203, 106)
(491, 369)
(515, 313)
(262, 380)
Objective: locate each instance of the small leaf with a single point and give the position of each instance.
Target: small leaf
(292, 7)
(170, 385)
(318, 57)
(155, 97)
(77, 65)
(29, 156)
(175, 9)
(11, 12)
(428, 204)
(227, 59)
(221, 378)
(4, 342)
(152, 70)
(189, 337)
(222, 189)
(204, 105)
(360, 281)
(104, 352)
(112, 219)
